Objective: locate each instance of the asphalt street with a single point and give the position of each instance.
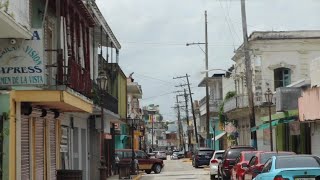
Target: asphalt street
(178, 169)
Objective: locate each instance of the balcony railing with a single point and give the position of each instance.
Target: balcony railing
(110, 103)
(239, 101)
(214, 106)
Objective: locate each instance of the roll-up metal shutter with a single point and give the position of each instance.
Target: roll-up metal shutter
(39, 148)
(52, 123)
(25, 147)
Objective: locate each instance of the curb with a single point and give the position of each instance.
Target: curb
(137, 177)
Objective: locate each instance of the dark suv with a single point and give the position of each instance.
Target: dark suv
(229, 158)
(202, 157)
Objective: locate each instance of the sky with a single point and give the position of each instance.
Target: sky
(153, 35)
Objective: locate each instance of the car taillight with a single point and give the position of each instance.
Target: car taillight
(279, 177)
(226, 164)
(213, 161)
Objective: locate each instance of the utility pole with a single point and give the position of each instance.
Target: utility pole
(248, 74)
(187, 116)
(180, 125)
(207, 85)
(208, 139)
(193, 113)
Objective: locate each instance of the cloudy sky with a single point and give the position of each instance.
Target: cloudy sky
(153, 34)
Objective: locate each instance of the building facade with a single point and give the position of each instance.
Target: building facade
(278, 60)
(49, 103)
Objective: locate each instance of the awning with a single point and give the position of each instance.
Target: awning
(11, 29)
(219, 136)
(54, 99)
(110, 116)
(273, 123)
(281, 115)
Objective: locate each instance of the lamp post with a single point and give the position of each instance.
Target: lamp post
(102, 82)
(268, 96)
(132, 121)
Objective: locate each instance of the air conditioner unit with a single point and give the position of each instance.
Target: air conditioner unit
(287, 98)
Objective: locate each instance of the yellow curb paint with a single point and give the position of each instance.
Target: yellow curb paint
(137, 177)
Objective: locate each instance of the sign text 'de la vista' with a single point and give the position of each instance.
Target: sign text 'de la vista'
(22, 64)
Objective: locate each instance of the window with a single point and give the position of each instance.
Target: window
(141, 155)
(302, 161)
(253, 161)
(282, 77)
(267, 166)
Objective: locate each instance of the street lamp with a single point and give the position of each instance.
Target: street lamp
(268, 95)
(102, 82)
(132, 121)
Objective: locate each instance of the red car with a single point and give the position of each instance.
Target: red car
(257, 162)
(241, 164)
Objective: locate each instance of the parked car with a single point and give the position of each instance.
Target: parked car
(241, 164)
(181, 155)
(174, 155)
(229, 158)
(160, 155)
(214, 161)
(202, 157)
(292, 167)
(257, 162)
(144, 161)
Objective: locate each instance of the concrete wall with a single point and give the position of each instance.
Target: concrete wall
(315, 72)
(4, 108)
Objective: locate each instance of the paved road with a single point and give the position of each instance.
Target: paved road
(177, 169)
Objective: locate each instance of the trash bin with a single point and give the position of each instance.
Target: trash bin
(69, 174)
(124, 170)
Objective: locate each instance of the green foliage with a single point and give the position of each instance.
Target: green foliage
(5, 6)
(222, 117)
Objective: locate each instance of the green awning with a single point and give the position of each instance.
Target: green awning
(273, 123)
(281, 115)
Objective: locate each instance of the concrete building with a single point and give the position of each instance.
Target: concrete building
(215, 100)
(278, 60)
(49, 103)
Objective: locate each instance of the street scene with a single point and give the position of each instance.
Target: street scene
(159, 89)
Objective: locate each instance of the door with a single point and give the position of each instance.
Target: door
(315, 136)
(144, 163)
(52, 136)
(25, 147)
(39, 148)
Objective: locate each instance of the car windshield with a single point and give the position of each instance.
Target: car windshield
(297, 161)
(266, 156)
(205, 152)
(234, 153)
(217, 155)
(248, 156)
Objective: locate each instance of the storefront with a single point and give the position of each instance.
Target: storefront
(309, 108)
(33, 141)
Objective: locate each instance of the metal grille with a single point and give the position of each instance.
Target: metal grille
(52, 123)
(39, 148)
(25, 148)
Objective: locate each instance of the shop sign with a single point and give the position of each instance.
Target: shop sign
(21, 61)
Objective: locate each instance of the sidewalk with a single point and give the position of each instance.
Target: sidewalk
(134, 177)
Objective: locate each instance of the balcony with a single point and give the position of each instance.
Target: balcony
(238, 102)
(110, 103)
(214, 106)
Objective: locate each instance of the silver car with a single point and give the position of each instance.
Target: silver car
(214, 161)
(160, 155)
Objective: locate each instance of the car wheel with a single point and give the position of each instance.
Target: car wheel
(213, 177)
(196, 165)
(148, 171)
(157, 168)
